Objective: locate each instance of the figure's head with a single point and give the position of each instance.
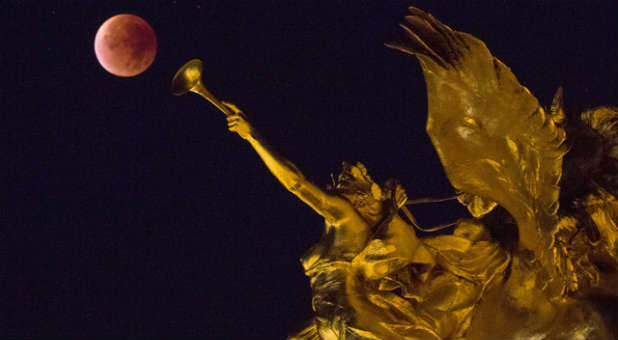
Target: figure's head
(355, 185)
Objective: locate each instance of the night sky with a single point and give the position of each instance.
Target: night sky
(135, 214)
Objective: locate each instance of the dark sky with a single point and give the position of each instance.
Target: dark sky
(136, 214)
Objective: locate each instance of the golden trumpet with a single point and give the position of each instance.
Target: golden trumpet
(189, 79)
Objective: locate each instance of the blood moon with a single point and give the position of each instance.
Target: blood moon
(125, 45)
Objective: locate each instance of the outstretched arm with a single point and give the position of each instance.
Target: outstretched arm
(334, 209)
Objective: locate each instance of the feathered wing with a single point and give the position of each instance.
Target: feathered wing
(496, 143)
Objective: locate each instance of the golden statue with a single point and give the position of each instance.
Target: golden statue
(552, 277)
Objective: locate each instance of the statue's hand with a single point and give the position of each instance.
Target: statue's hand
(400, 196)
(232, 107)
(396, 193)
(237, 122)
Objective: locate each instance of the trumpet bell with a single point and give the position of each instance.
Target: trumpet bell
(187, 77)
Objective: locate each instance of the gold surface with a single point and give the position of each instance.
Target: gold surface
(189, 79)
(373, 278)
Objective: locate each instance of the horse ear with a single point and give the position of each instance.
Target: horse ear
(362, 168)
(557, 107)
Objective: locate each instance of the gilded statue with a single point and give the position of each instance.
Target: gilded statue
(537, 259)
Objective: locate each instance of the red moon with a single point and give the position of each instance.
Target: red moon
(125, 45)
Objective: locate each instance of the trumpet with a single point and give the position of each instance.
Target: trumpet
(189, 79)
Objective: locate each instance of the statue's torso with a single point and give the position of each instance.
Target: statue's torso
(327, 263)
